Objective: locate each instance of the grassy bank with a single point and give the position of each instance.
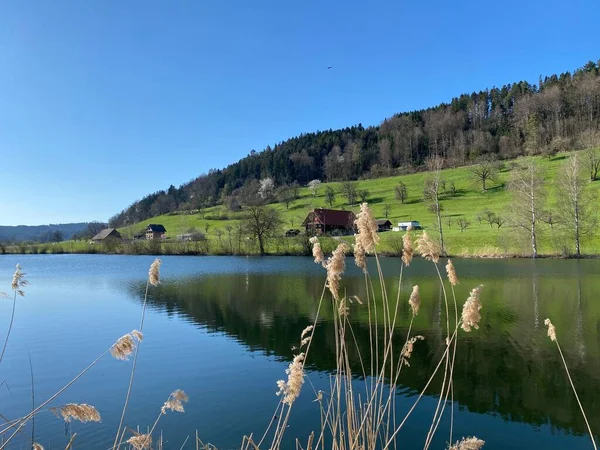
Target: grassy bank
(465, 201)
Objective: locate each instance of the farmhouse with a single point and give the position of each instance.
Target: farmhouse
(383, 225)
(322, 221)
(107, 233)
(155, 231)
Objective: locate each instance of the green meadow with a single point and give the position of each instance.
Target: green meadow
(466, 201)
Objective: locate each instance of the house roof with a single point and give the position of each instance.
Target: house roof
(103, 234)
(383, 222)
(333, 217)
(156, 228)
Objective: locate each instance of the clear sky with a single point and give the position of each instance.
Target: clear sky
(105, 101)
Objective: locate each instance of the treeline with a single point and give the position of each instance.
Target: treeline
(40, 233)
(561, 112)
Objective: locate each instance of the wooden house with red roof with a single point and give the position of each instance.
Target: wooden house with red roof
(328, 221)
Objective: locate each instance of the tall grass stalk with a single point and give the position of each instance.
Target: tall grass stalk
(552, 336)
(173, 403)
(18, 283)
(23, 420)
(351, 420)
(153, 279)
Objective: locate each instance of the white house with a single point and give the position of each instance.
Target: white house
(403, 226)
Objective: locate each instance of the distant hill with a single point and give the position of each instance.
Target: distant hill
(21, 233)
(559, 113)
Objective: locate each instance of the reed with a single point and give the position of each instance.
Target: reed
(552, 336)
(366, 417)
(18, 283)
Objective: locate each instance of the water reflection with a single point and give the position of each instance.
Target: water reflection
(507, 368)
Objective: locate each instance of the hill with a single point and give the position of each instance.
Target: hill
(561, 112)
(463, 200)
(21, 233)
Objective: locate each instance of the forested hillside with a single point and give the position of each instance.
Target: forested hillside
(40, 233)
(561, 112)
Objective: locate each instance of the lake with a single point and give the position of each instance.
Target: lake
(222, 329)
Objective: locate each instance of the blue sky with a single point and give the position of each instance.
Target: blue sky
(102, 102)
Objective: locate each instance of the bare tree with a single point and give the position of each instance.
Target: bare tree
(295, 187)
(285, 195)
(433, 189)
(261, 222)
(349, 190)
(450, 188)
(575, 207)
(449, 221)
(229, 229)
(490, 216)
(462, 224)
(527, 186)
(91, 230)
(401, 192)
(364, 195)
(313, 186)
(387, 209)
(593, 162)
(549, 218)
(329, 195)
(499, 221)
(219, 234)
(485, 171)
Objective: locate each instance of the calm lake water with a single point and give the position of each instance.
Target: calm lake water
(222, 329)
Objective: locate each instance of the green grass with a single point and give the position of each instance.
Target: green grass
(479, 239)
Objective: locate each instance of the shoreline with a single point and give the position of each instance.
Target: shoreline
(385, 254)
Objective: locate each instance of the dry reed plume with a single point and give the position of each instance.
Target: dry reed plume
(409, 347)
(140, 442)
(551, 330)
(451, 273)
(126, 344)
(407, 249)
(470, 312)
(336, 265)
(316, 250)
(291, 388)
(154, 272)
(19, 281)
(367, 236)
(37, 446)
(360, 255)
(175, 402)
(82, 412)
(470, 443)
(427, 248)
(304, 338)
(415, 300)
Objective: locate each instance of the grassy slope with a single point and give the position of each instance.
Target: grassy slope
(468, 203)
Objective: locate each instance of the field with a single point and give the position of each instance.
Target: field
(466, 201)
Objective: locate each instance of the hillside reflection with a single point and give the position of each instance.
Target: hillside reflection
(507, 368)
